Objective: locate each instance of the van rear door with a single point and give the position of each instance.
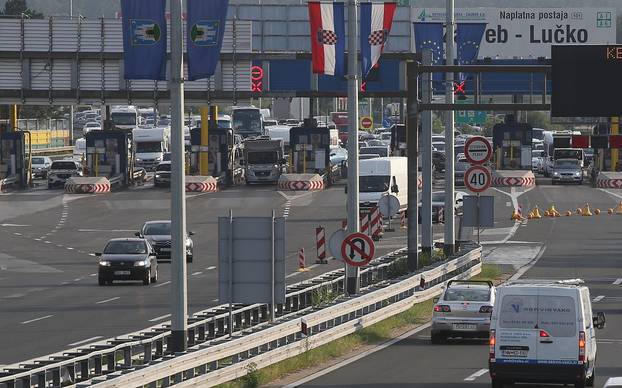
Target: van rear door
(559, 335)
(516, 333)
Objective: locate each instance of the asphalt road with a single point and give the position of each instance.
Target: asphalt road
(569, 247)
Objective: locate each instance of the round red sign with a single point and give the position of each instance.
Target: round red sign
(357, 249)
(477, 179)
(367, 123)
(477, 150)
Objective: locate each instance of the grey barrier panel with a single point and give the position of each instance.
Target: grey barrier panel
(486, 211)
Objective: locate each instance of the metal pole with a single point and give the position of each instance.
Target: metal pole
(450, 233)
(179, 308)
(426, 159)
(71, 107)
(412, 140)
(352, 273)
(230, 250)
(477, 215)
(273, 280)
(204, 151)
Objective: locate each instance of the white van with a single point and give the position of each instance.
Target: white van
(543, 331)
(378, 176)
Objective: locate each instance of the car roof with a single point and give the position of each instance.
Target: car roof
(546, 283)
(135, 239)
(157, 221)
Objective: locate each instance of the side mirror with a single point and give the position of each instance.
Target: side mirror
(190, 233)
(98, 254)
(137, 234)
(395, 189)
(599, 320)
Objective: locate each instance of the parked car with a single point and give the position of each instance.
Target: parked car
(460, 169)
(127, 259)
(567, 171)
(61, 170)
(162, 175)
(158, 234)
(40, 166)
(463, 310)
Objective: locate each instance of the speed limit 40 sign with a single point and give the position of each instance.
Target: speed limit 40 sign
(477, 179)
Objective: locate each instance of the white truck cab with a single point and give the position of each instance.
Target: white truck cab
(380, 176)
(151, 145)
(543, 331)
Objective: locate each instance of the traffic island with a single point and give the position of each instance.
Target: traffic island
(301, 182)
(513, 178)
(609, 180)
(87, 185)
(201, 184)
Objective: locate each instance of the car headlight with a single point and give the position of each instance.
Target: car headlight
(555, 173)
(577, 174)
(158, 175)
(141, 263)
(139, 160)
(158, 159)
(104, 263)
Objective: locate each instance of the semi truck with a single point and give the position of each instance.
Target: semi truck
(263, 160)
(151, 144)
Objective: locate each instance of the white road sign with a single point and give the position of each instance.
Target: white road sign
(388, 205)
(477, 179)
(528, 33)
(477, 150)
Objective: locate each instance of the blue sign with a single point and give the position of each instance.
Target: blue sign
(206, 28)
(205, 32)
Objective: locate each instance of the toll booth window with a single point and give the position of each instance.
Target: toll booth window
(511, 154)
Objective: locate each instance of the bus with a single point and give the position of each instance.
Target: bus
(124, 117)
(247, 121)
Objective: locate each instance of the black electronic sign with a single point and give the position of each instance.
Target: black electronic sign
(587, 80)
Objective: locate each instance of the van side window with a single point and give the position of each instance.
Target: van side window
(557, 315)
(519, 312)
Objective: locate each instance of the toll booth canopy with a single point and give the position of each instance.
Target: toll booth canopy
(512, 146)
(310, 149)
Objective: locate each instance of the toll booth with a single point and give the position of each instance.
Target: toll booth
(512, 146)
(398, 140)
(221, 152)
(110, 154)
(13, 160)
(309, 150)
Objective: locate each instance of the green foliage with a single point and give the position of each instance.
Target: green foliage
(252, 378)
(489, 272)
(323, 296)
(19, 7)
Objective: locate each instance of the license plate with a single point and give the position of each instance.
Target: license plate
(464, 326)
(122, 273)
(514, 353)
(165, 249)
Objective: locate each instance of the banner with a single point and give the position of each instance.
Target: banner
(206, 28)
(328, 38)
(430, 36)
(468, 39)
(376, 21)
(144, 39)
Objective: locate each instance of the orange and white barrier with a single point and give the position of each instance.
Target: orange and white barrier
(320, 245)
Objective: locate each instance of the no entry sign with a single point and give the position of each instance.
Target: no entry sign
(477, 150)
(477, 179)
(366, 122)
(357, 249)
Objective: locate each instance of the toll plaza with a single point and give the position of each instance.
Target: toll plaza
(14, 168)
(109, 154)
(310, 150)
(221, 153)
(512, 145)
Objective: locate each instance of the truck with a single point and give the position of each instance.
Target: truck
(124, 117)
(263, 160)
(151, 144)
(341, 123)
(247, 121)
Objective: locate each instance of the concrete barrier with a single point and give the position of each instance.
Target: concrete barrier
(201, 184)
(513, 178)
(609, 180)
(87, 185)
(301, 182)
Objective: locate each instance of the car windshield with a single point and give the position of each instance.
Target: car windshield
(537, 153)
(382, 151)
(63, 166)
(149, 146)
(125, 248)
(567, 164)
(164, 167)
(265, 157)
(38, 161)
(157, 229)
(374, 183)
(467, 294)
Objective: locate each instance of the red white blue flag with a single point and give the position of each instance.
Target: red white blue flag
(328, 37)
(376, 21)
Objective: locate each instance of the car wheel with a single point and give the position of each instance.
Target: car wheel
(590, 381)
(154, 278)
(49, 186)
(147, 278)
(101, 281)
(496, 383)
(435, 338)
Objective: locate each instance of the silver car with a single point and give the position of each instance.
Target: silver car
(567, 171)
(463, 310)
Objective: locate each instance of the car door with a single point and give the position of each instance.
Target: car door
(558, 332)
(588, 324)
(516, 332)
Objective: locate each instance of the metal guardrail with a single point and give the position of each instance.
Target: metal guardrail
(56, 151)
(221, 361)
(144, 346)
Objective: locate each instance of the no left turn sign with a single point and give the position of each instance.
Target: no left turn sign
(357, 249)
(477, 150)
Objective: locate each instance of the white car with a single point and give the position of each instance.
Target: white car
(40, 166)
(61, 170)
(91, 126)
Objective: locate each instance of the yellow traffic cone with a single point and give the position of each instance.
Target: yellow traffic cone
(618, 208)
(586, 211)
(568, 213)
(530, 216)
(579, 211)
(610, 211)
(536, 213)
(516, 216)
(597, 211)
(553, 212)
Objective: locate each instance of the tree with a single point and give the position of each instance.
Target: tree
(19, 7)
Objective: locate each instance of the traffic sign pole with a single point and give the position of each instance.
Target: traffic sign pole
(450, 230)
(426, 159)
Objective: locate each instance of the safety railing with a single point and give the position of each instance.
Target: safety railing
(144, 346)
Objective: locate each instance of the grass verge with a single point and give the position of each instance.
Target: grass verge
(372, 335)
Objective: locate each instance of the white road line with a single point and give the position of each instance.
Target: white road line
(197, 273)
(36, 319)
(47, 242)
(92, 254)
(357, 357)
(108, 300)
(214, 300)
(618, 281)
(64, 283)
(211, 267)
(92, 339)
(107, 230)
(521, 271)
(598, 298)
(93, 274)
(70, 248)
(17, 234)
(163, 317)
(162, 284)
(77, 279)
(477, 374)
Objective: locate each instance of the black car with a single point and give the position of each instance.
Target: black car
(162, 175)
(127, 259)
(158, 233)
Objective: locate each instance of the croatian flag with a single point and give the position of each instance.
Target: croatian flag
(376, 20)
(328, 38)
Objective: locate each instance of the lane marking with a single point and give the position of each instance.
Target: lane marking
(521, 271)
(93, 274)
(477, 374)
(211, 267)
(197, 273)
(162, 284)
(163, 317)
(77, 279)
(215, 300)
(618, 282)
(37, 319)
(108, 300)
(357, 357)
(92, 339)
(70, 248)
(598, 298)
